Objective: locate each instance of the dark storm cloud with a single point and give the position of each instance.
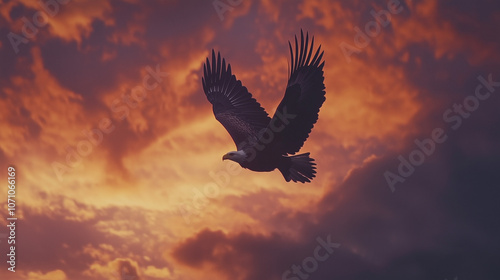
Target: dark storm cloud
(441, 222)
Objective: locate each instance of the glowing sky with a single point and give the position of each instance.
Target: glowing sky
(118, 155)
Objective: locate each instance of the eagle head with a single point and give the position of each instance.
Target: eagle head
(237, 156)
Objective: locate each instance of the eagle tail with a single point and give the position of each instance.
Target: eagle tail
(299, 168)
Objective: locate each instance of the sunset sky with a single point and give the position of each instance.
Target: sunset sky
(118, 155)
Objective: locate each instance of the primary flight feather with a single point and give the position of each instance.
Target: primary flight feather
(264, 143)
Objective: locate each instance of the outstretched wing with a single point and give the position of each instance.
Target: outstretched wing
(305, 93)
(233, 106)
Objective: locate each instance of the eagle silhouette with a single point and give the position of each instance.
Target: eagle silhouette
(264, 143)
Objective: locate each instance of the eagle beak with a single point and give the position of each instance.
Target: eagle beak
(224, 157)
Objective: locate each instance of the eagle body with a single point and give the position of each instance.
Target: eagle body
(264, 143)
(264, 162)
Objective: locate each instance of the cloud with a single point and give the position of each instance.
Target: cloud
(70, 21)
(123, 269)
(52, 275)
(233, 256)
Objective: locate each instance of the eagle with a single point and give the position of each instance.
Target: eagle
(264, 144)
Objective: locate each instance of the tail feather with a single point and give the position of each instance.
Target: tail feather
(300, 168)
